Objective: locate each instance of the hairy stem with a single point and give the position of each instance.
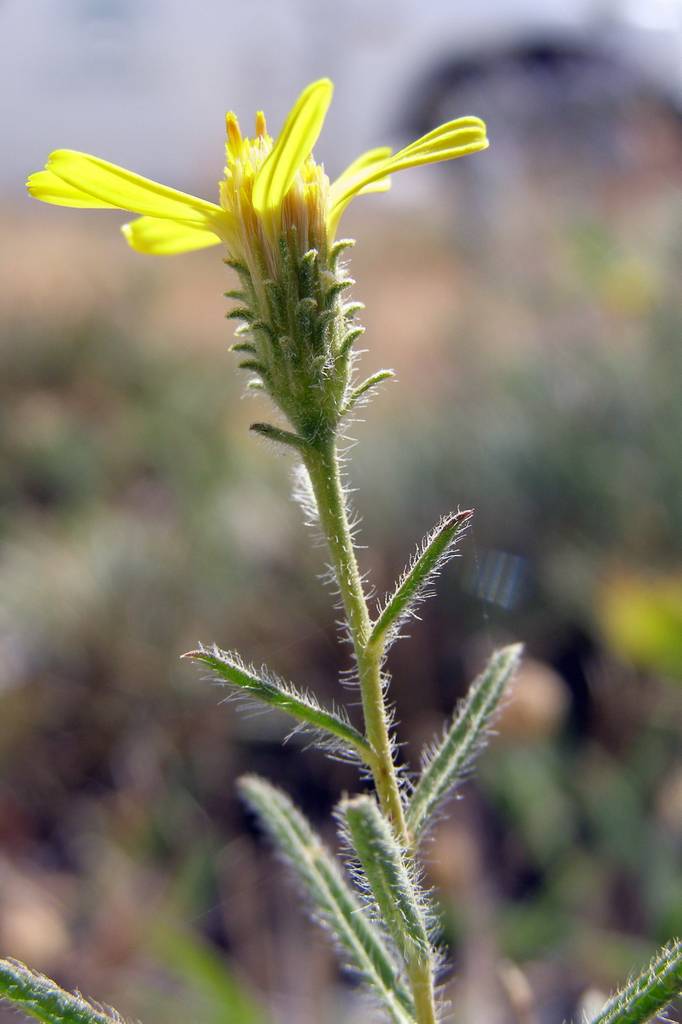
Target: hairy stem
(325, 477)
(322, 463)
(420, 973)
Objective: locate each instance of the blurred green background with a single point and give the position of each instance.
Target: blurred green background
(530, 305)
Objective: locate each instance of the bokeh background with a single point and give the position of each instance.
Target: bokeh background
(528, 299)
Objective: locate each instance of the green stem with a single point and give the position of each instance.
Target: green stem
(322, 463)
(323, 468)
(420, 973)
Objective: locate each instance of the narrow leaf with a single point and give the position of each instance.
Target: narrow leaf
(270, 689)
(331, 898)
(241, 313)
(648, 994)
(255, 367)
(349, 309)
(414, 584)
(338, 287)
(354, 332)
(338, 248)
(449, 762)
(40, 997)
(243, 346)
(390, 881)
(277, 434)
(362, 389)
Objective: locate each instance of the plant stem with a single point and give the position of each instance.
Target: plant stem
(325, 477)
(322, 463)
(421, 982)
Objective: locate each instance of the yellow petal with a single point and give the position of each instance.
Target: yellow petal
(293, 146)
(380, 185)
(46, 186)
(369, 159)
(158, 237)
(127, 191)
(336, 212)
(449, 131)
(372, 156)
(448, 142)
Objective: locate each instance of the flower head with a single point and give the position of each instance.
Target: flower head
(278, 215)
(269, 186)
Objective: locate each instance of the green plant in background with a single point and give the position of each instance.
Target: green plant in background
(278, 216)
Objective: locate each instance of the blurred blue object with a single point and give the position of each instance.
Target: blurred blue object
(498, 577)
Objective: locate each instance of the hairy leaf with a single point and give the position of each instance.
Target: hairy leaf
(270, 689)
(332, 900)
(648, 994)
(284, 437)
(362, 390)
(40, 997)
(448, 763)
(413, 586)
(383, 864)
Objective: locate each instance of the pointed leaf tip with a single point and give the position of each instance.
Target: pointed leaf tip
(415, 583)
(330, 725)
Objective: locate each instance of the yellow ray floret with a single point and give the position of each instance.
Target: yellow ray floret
(293, 147)
(47, 186)
(158, 237)
(451, 140)
(269, 189)
(125, 190)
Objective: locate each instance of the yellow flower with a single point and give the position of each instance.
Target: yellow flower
(269, 188)
(277, 216)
